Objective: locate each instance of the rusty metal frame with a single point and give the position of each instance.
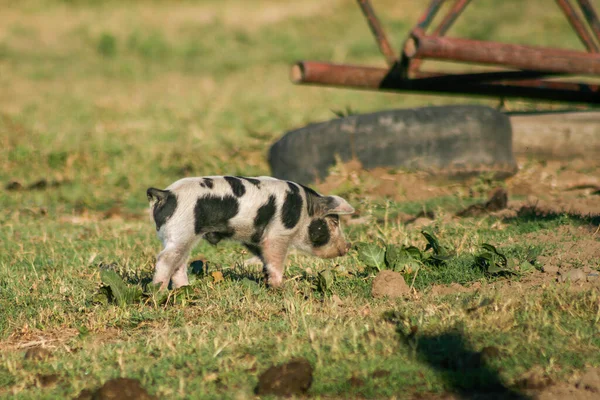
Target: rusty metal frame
(524, 67)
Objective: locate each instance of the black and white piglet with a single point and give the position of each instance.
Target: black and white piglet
(269, 216)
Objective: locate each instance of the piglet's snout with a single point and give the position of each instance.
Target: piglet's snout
(345, 249)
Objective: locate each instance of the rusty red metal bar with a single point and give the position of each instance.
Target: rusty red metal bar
(591, 17)
(578, 25)
(429, 14)
(378, 32)
(311, 72)
(450, 17)
(506, 55)
(443, 27)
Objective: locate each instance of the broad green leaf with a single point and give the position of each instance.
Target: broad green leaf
(325, 279)
(526, 266)
(372, 255)
(433, 242)
(414, 252)
(121, 292)
(399, 258)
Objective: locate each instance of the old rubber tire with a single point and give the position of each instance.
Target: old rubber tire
(452, 140)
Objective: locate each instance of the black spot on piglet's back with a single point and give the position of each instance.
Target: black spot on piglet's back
(264, 215)
(292, 207)
(207, 183)
(318, 232)
(164, 206)
(237, 186)
(212, 214)
(253, 181)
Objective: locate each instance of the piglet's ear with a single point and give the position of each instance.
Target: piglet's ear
(336, 205)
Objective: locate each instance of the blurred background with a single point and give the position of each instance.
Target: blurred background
(106, 98)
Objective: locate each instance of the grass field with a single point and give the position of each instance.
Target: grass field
(100, 100)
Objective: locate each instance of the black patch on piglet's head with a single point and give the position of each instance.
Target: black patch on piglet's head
(165, 203)
(318, 232)
(237, 186)
(292, 207)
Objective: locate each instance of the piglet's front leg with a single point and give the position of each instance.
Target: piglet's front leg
(274, 252)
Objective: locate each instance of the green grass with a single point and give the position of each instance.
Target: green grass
(101, 100)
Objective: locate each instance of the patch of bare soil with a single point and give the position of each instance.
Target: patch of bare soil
(442, 290)
(549, 187)
(384, 182)
(586, 388)
(536, 385)
(574, 256)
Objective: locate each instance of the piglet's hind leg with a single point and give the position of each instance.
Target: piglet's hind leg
(168, 261)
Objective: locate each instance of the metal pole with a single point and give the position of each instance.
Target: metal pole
(591, 17)
(507, 55)
(429, 14)
(449, 19)
(378, 32)
(578, 25)
(350, 76)
(443, 27)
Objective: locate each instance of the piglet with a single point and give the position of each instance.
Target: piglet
(267, 215)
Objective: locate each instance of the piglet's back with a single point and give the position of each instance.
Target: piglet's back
(221, 186)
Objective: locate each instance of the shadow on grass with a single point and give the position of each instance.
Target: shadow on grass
(534, 213)
(467, 373)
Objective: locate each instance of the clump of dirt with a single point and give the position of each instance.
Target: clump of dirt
(47, 380)
(498, 201)
(380, 373)
(390, 284)
(574, 275)
(355, 381)
(292, 378)
(117, 389)
(37, 185)
(37, 354)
